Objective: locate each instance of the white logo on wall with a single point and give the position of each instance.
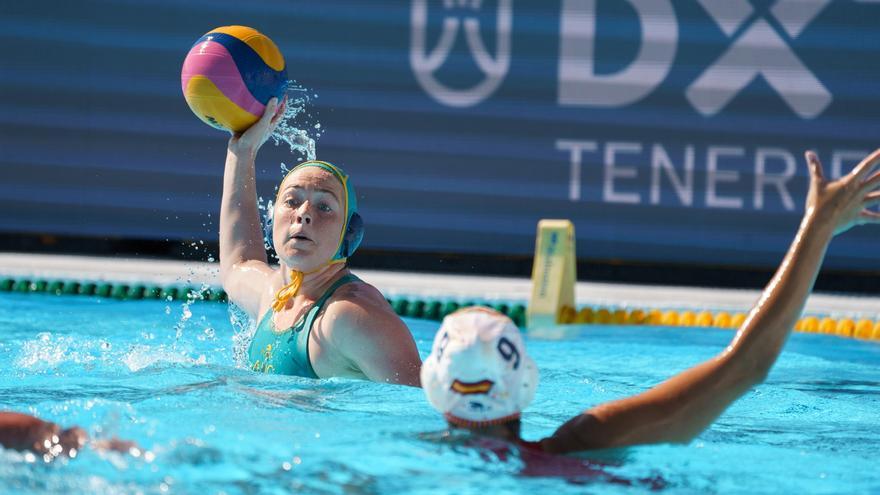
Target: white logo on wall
(757, 49)
(425, 64)
(761, 50)
(580, 85)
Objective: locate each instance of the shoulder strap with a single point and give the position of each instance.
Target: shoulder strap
(319, 304)
(301, 333)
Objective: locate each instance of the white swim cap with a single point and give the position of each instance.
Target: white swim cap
(478, 372)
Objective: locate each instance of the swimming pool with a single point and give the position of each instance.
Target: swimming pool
(164, 374)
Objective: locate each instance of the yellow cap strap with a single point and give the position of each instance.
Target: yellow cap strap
(290, 290)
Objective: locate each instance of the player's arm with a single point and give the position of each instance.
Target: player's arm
(678, 409)
(373, 339)
(28, 433)
(24, 432)
(244, 268)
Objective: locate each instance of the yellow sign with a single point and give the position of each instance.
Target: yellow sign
(553, 273)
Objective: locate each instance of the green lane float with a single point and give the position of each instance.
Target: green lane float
(437, 309)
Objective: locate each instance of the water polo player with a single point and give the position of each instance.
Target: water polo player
(316, 319)
(479, 375)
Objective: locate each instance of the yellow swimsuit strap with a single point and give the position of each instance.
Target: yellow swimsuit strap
(290, 290)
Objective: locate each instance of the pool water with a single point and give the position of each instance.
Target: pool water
(164, 374)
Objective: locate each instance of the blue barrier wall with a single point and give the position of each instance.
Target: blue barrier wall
(668, 131)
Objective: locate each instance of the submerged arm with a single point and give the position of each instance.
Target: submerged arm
(24, 432)
(680, 408)
(244, 269)
(28, 433)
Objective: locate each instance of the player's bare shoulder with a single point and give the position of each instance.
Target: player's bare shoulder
(359, 313)
(359, 300)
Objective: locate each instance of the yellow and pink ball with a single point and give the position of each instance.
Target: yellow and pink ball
(230, 74)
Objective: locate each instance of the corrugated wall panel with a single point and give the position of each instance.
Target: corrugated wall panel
(569, 110)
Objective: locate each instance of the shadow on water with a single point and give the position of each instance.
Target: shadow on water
(117, 393)
(505, 458)
(835, 387)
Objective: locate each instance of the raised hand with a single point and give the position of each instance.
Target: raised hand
(253, 138)
(844, 202)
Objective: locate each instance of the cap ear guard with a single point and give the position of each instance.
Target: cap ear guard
(354, 234)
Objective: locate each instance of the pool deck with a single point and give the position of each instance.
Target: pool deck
(427, 285)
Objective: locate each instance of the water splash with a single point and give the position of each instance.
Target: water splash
(298, 119)
(47, 351)
(64, 354)
(185, 311)
(244, 328)
(140, 356)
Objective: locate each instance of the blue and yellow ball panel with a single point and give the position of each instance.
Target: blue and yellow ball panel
(229, 76)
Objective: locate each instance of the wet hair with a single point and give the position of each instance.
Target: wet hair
(513, 427)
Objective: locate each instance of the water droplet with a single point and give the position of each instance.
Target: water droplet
(289, 130)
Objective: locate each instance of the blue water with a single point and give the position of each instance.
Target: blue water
(164, 374)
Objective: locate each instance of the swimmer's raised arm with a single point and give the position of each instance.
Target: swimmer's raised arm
(244, 268)
(678, 409)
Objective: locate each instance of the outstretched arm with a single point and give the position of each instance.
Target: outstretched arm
(678, 409)
(244, 269)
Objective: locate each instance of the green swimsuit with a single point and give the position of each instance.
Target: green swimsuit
(287, 352)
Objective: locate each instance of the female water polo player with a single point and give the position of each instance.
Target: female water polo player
(479, 375)
(316, 319)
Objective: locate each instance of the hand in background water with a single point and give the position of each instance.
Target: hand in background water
(28, 433)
